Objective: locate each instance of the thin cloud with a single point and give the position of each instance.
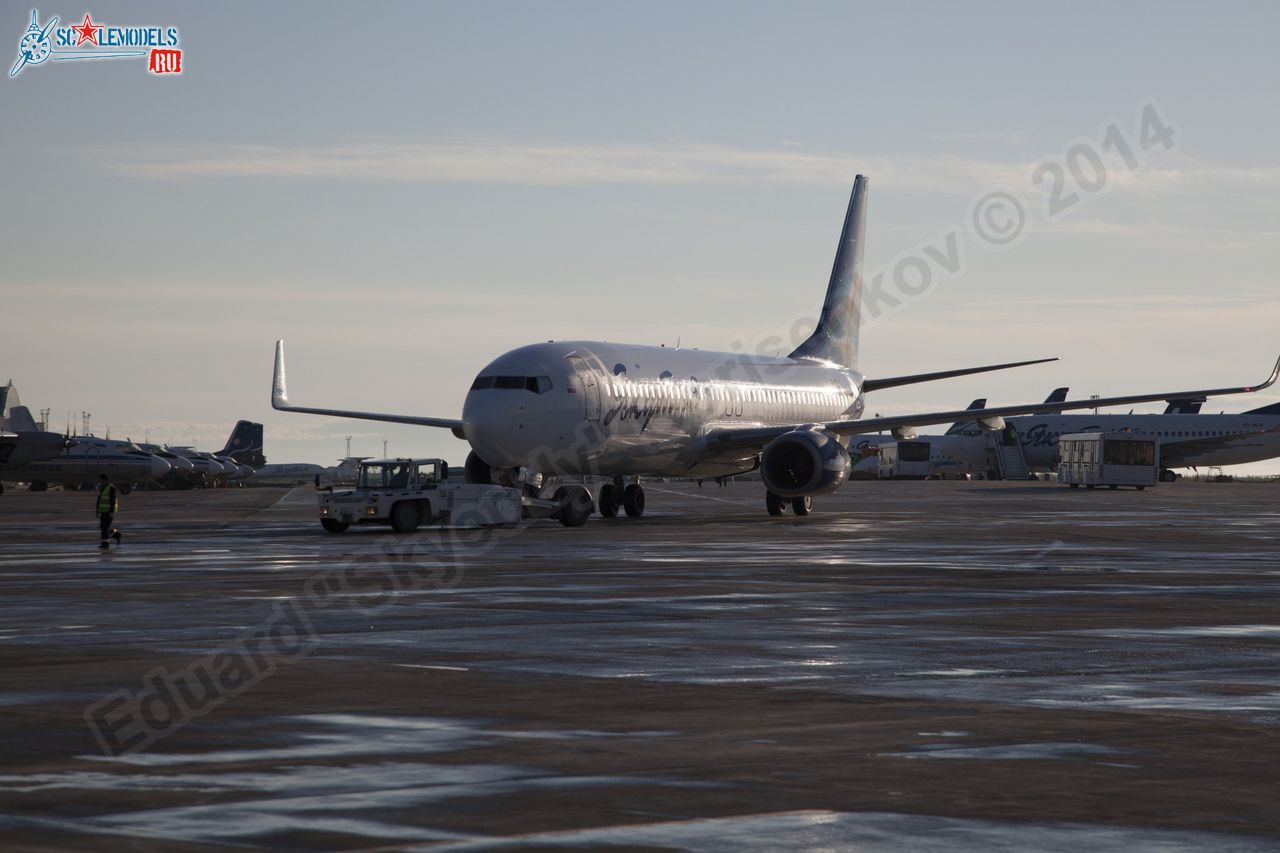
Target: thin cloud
(587, 164)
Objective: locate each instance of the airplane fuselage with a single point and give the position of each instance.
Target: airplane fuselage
(83, 464)
(1250, 437)
(583, 407)
(1253, 442)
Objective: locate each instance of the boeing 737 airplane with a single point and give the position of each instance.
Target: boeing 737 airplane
(622, 411)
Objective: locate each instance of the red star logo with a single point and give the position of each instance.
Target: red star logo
(87, 32)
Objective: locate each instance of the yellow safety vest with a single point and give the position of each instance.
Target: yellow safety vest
(107, 499)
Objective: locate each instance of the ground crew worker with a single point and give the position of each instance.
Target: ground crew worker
(106, 508)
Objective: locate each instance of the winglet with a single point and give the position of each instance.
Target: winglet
(1271, 380)
(279, 397)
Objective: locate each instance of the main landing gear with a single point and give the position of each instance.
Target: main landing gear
(777, 504)
(615, 496)
(1167, 476)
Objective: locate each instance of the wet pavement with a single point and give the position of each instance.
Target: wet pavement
(915, 666)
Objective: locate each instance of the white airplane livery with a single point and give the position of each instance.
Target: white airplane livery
(578, 409)
(1186, 441)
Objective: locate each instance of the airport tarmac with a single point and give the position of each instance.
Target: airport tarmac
(923, 666)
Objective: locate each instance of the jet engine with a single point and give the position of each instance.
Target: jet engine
(804, 462)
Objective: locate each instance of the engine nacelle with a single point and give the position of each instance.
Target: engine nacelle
(804, 462)
(991, 424)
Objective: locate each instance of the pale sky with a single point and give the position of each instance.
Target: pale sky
(405, 191)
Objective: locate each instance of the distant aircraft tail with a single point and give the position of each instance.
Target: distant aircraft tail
(836, 336)
(961, 426)
(20, 420)
(245, 444)
(1273, 409)
(1057, 395)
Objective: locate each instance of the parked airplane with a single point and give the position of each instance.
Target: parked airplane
(83, 460)
(953, 453)
(580, 408)
(304, 472)
(1186, 440)
(27, 442)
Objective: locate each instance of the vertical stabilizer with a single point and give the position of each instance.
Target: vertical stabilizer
(836, 337)
(245, 444)
(961, 426)
(20, 420)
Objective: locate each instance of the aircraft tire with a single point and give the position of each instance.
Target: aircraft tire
(1167, 476)
(39, 486)
(1, 488)
(405, 517)
(332, 525)
(802, 506)
(776, 504)
(126, 488)
(608, 502)
(633, 500)
(575, 505)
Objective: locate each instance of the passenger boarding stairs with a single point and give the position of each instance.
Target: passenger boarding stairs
(1010, 461)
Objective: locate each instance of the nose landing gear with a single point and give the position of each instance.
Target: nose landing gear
(777, 504)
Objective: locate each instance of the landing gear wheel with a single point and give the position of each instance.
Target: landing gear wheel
(575, 505)
(333, 525)
(776, 504)
(39, 486)
(802, 506)
(476, 470)
(633, 500)
(126, 488)
(1074, 485)
(405, 517)
(1167, 476)
(608, 502)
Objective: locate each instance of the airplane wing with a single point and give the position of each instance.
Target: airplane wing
(727, 439)
(869, 385)
(280, 400)
(960, 426)
(1174, 454)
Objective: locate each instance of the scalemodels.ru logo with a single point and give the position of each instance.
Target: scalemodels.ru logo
(89, 40)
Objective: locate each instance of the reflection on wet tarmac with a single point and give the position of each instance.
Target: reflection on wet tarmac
(1103, 606)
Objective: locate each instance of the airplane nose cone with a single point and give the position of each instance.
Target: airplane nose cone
(487, 421)
(159, 467)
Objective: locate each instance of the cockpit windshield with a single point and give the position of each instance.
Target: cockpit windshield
(536, 384)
